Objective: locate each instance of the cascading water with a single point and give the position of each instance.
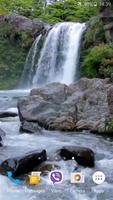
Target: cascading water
(29, 67)
(60, 54)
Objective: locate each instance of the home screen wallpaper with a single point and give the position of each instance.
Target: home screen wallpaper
(56, 100)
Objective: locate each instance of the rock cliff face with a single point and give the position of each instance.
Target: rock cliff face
(20, 23)
(85, 104)
(17, 34)
(106, 15)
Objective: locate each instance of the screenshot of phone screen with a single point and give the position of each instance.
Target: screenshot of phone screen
(56, 99)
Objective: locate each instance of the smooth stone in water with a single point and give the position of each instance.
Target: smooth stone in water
(4, 114)
(83, 156)
(30, 127)
(23, 164)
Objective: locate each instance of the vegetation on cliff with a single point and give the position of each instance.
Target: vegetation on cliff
(14, 45)
(96, 51)
(68, 10)
(13, 51)
(97, 46)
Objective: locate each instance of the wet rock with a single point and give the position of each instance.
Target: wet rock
(5, 114)
(79, 106)
(88, 125)
(30, 127)
(23, 164)
(47, 167)
(44, 107)
(2, 134)
(83, 156)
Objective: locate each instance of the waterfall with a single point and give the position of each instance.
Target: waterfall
(60, 55)
(29, 68)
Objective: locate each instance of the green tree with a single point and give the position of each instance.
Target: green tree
(67, 10)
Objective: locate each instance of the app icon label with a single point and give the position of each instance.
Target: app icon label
(98, 177)
(15, 181)
(34, 178)
(56, 177)
(77, 177)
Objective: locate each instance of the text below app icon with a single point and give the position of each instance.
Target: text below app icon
(56, 177)
(34, 178)
(99, 177)
(13, 180)
(77, 178)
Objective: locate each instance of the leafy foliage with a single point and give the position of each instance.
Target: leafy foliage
(95, 34)
(109, 125)
(67, 10)
(12, 60)
(12, 56)
(98, 59)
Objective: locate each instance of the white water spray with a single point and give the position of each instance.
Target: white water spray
(29, 67)
(60, 54)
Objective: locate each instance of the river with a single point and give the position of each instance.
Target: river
(16, 143)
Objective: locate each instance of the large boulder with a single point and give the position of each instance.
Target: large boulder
(23, 164)
(43, 106)
(79, 106)
(83, 156)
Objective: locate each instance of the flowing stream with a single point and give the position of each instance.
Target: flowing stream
(16, 144)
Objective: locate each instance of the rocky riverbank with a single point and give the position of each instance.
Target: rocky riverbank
(84, 105)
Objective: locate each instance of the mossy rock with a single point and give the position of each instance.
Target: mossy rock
(109, 125)
(17, 34)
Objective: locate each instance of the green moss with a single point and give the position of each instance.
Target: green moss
(109, 125)
(14, 47)
(95, 34)
(12, 61)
